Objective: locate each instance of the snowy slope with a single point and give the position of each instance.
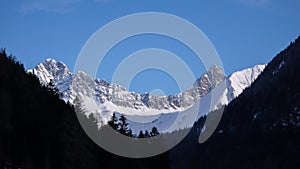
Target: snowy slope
(144, 111)
(237, 82)
(118, 98)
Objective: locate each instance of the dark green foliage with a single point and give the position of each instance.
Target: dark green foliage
(52, 88)
(38, 130)
(120, 125)
(123, 125)
(154, 132)
(147, 134)
(27, 116)
(141, 134)
(129, 133)
(260, 129)
(114, 122)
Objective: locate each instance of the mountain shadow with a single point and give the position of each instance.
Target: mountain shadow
(259, 129)
(38, 130)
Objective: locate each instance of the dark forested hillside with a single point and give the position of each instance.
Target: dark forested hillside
(27, 114)
(38, 130)
(259, 129)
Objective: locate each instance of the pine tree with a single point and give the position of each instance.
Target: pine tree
(154, 132)
(114, 122)
(53, 88)
(129, 133)
(141, 134)
(123, 125)
(147, 134)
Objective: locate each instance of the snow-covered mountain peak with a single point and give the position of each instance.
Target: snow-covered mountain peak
(214, 76)
(70, 85)
(54, 67)
(50, 70)
(103, 98)
(239, 80)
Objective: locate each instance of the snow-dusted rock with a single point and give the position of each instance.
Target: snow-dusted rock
(103, 98)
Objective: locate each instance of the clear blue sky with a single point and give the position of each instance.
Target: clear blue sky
(244, 32)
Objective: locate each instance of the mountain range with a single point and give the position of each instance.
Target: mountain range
(259, 128)
(102, 98)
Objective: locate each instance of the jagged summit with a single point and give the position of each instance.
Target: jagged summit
(71, 84)
(103, 98)
(211, 78)
(239, 80)
(49, 70)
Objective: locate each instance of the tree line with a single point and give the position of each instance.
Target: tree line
(122, 126)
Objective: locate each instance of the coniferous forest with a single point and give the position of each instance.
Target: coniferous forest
(260, 129)
(38, 130)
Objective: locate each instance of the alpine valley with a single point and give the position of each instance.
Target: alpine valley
(259, 128)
